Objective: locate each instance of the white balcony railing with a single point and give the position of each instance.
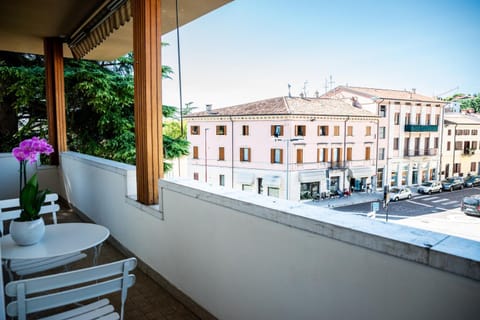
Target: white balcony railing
(245, 256)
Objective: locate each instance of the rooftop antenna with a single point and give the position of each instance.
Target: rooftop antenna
(289, 93)
(331, 82)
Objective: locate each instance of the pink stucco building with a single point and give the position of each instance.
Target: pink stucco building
(294, 148)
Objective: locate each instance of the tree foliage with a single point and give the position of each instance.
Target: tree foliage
(99, 102)
(473, 103)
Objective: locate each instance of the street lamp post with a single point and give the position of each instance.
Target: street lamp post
(206, 130)
(287, 180)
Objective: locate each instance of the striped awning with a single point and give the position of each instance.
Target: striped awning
(106, 20)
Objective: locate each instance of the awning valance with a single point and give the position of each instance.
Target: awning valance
(107, 20)
(312, 176)
(361, 172)
(244, 178)
(272, 181)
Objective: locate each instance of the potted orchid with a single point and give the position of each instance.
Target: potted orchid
(31, 198)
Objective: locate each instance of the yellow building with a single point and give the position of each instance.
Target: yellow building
(460, 146)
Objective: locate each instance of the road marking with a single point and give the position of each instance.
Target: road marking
(451, 202)
(440, 200)
(422, 204)
(421, 197)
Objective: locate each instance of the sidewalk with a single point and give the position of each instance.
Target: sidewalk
(355, 198)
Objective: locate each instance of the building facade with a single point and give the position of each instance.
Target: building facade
(286, 147)
(409, 132)
(460, 148)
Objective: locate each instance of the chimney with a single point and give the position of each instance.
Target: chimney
(317, 94)
(414, 90)
(208, 108)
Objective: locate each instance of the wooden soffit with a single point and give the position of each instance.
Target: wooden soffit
(25, 23)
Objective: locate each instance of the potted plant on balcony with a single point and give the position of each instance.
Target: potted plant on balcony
(29, 228)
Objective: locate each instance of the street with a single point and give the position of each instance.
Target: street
(438, 212)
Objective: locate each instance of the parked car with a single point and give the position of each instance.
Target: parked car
(430, 187)
(453, 183)
(472, 181)
(400, 193)
(471, 205)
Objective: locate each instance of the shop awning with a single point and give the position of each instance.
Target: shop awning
(272, 181)
(361, 172)
(99, 28)
(312, 176)
(245, 178)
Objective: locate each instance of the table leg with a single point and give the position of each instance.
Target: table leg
(96, 253)
(7, 266)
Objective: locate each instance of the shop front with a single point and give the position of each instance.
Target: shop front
(312, 184)
(360, 177)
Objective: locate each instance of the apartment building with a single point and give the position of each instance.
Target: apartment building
(286, 147)
(460, 147)
(409, 132)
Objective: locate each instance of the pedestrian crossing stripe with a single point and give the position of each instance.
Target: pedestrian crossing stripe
(440, 200)
(451, 202)
(421, 197)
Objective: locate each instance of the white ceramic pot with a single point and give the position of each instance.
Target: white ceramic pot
(26, 233)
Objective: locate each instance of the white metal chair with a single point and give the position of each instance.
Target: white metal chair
(9, 210)
(44, 293)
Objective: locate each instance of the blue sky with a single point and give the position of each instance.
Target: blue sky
(250, 50)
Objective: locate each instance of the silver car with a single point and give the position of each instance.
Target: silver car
(430, 187)
(400, 193)
(471, 205)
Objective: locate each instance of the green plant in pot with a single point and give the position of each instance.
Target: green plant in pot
(29, 228)
(31, 200)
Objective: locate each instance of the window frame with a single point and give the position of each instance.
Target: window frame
(382, 132)
(300, 156)
(245, 130)
(219, 129)
(322, 131)
(336, 131)
(195, 152)
(195, 130)
(273, 130)
(350, 131)
(221, 153)
(300, 130)
(276, 153)
(242, 154)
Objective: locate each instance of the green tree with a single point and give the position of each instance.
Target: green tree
(99, 100)
(473, 103)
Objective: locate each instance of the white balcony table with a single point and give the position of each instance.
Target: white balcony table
(59, 239)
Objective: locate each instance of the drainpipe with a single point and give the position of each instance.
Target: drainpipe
(454, 146)
(344, 150)
(387, 156)
(231, 120)
(376, 156)
(441, 122)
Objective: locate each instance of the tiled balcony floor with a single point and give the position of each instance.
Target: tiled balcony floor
(146, 299)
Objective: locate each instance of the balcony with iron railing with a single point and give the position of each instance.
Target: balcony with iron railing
(237, 255)
(468, 152)
(420, 128)
(420, 152)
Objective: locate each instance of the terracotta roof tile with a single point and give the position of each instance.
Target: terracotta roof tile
(459, 118)
(287, 106)
(385, 94)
